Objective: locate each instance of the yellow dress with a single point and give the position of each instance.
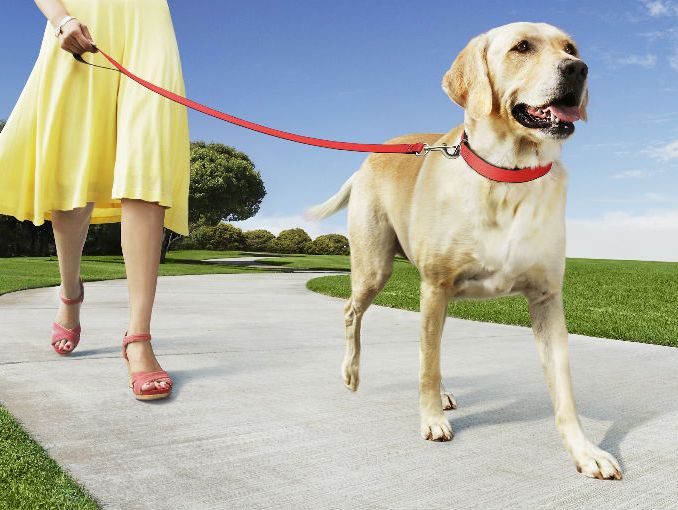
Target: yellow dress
(80, 134)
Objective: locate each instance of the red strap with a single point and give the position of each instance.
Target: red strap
(60, 333)
(129, 339)
(141, 378)
(497, 173)
(403, 148)
(77, 300)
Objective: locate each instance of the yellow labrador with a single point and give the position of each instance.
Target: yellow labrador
(522, 86)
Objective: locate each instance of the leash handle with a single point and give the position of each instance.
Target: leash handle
(414, 148)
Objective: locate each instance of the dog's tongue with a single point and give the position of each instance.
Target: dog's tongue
(565, 113)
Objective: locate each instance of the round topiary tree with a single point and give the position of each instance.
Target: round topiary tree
(329, 244)
(225, 236)
(225, 186)
(293, 240)
(258, 240)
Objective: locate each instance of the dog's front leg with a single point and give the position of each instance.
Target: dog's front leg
(434, 425)
(548, 323)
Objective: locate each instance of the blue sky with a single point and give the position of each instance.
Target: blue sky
(369, 70)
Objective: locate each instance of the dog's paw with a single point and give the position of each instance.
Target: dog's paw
(436, 428)
(596, 463)
(351, 376)
(448, 401)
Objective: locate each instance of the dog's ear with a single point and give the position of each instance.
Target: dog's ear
(584, 103)
(468, 81)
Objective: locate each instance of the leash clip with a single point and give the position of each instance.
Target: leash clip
(449, 151)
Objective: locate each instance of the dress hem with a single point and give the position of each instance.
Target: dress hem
(113, 217)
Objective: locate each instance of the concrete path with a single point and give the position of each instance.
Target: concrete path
(258, 262)
(260, 418)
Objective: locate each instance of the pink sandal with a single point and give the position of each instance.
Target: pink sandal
(60, 333)
(138, 379)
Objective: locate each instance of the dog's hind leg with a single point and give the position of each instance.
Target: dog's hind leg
(550, 331)
(434, 425)
(372, 243)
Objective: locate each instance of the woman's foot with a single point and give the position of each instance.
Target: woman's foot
(68, 317)
(141, 358)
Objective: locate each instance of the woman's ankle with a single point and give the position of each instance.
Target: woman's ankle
(70, 289)
(68, 315)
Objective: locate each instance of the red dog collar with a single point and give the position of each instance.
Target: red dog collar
(497, 173)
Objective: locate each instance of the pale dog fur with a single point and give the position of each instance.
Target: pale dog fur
(471, 237)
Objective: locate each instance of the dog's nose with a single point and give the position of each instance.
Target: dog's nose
(575, 70)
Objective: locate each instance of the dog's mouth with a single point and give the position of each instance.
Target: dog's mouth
(557, 117)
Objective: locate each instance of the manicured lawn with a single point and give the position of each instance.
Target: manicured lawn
(317, 262)
(626, 300)
(22, 273)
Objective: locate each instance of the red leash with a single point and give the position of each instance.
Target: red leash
(403, 148)
(478, 164)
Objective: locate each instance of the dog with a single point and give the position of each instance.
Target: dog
(522, 87)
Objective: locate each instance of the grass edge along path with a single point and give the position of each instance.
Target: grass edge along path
(623, 300)
(29, 478)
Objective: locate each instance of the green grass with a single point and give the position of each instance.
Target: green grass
(29, 479)
(22, 273)
(316, 262)
(625, 300)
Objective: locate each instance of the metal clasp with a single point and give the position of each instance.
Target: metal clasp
(449, 151)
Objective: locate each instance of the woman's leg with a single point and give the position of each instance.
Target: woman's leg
(70, 232)
(141, 237)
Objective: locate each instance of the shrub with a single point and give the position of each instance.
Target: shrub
(330, 244)
(293, 240)
(259, 240)
(223, 236)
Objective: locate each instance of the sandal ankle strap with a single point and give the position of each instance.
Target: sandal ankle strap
(77, 300)
(129, 339)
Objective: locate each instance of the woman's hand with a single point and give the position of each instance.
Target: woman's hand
(76, 39)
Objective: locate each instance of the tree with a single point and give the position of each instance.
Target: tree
(258, 240)
(330, 244)
(103, 239)
(293, 240)
(225, 186)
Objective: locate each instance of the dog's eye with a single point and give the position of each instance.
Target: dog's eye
(522, 47)
(570, 49)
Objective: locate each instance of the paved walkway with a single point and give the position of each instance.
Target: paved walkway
(259, 262)
(260, 418)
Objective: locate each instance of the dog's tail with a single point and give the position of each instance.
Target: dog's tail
(334, 204)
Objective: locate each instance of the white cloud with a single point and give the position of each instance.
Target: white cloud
(275, 224)
(664, 152)
(655, 35)
(658, 8)
(645, 198)
(620, 235)
(647, 61)
(673, 61)
(632, 174)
